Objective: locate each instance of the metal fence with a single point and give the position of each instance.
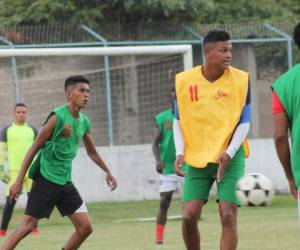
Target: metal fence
(264, 49)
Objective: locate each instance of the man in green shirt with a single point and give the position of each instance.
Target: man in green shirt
(15, 140)
(55, 148)
(164, 152)
(286, 113)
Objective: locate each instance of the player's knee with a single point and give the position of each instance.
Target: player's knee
(189, 217)
(26, 228)
(27, 225)
(228, 219)
(85, 230)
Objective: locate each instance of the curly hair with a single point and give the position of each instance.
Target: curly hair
(296, 35)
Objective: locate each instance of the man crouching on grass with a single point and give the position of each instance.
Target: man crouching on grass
(55, 148)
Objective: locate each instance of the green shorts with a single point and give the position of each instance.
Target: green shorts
(198, 181)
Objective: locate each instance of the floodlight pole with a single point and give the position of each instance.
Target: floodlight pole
(15, 78)
(288, 43)
(107, 84)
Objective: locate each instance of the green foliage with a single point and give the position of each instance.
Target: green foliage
(222, 11)
(91, 12)
(27, 12)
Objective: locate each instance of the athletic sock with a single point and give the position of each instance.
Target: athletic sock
(2, 233)
(160, 233)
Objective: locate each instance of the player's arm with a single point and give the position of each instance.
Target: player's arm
(178, 140)
(239, 135)
(44, 135)
(281, 140)
(156, 150)
(4, 176)
(2, 153)
(3, 146)
(242, 129)
(93, 154)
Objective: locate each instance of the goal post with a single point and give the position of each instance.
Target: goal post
(157, 63)
(186, 50)
(140, 78)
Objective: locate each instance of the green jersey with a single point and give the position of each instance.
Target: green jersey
(56, 156)
(18, 139)
(164, 122)
(287, 88)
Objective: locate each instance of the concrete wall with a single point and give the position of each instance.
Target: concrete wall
(134, 167)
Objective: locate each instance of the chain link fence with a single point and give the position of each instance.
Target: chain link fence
(140, 85)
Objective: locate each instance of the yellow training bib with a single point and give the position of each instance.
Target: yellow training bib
(209, 112)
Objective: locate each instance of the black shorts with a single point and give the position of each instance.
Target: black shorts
(45, 195)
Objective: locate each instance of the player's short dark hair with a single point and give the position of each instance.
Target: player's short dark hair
(216, 36)
(20, 104)
(296, 35)
(73, 80)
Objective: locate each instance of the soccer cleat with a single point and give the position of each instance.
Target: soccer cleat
(2, 233)
(159, 242)
(35, 231)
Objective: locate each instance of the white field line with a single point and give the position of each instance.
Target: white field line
(171, 217)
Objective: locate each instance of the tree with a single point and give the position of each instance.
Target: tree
(93, 12)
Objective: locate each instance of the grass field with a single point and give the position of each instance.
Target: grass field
(115, 228)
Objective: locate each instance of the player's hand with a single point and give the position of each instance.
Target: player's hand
(178, 165)
(15, 190)
(223, 163)
(111, 182)
(293, 188)
(159, 167)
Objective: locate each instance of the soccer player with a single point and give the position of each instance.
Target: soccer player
(286, 114)
(55, 148)
(15, 141)
(164, 152)
(211, 122)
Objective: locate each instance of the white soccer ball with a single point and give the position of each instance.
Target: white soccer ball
(254, 190)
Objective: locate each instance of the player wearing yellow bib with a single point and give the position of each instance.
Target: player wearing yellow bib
(15, 141)
(211, 122)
